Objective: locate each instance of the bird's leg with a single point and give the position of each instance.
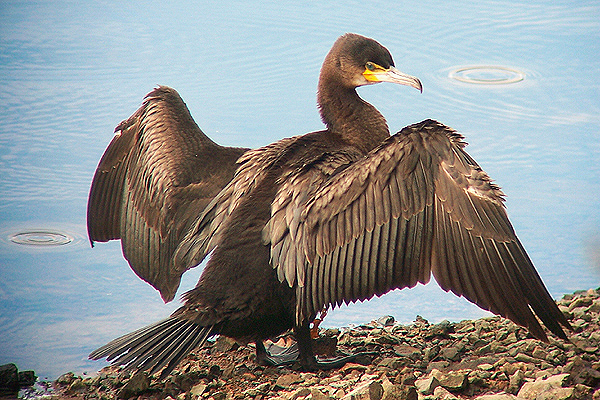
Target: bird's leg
(307, 359)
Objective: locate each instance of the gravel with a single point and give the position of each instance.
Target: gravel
(484, 359)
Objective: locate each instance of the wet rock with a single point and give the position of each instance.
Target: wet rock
(9, 376)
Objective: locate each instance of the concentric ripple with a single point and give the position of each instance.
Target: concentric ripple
(487, 75)
(41, 238)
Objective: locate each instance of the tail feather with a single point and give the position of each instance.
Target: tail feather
(164, 343)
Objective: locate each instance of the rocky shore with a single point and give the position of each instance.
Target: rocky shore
(485, 359)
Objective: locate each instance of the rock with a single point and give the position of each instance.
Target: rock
(285, 381)
(454, 381)
(485, 367)
(427, 385)
(497, 396)
(197, 390)
(316, 394)
(9, 376)
(407, 351)
(450, 353)
(557, 394)
(370, 390)
(27, 378)
(223, 344)
(138, 384)
(525, 358)
(325, 346)
(394, 362)
(398, 392)
(65, 379)
(386, 320)
(12, 379)
(531, 390)
(349, 367)
(441, 393)
(515, 381)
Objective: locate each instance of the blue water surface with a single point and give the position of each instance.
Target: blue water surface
(71, 71)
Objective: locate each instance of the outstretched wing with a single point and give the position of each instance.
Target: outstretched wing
(418, 204)
(157, 174)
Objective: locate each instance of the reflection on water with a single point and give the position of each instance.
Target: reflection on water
(70, 72)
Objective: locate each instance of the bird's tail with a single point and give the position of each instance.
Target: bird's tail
(164, 343)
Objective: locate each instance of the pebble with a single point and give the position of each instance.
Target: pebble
(486, 359)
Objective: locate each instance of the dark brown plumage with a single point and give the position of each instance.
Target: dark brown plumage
(157, 174)
(341, 215)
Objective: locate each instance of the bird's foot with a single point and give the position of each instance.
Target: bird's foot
(278, 356)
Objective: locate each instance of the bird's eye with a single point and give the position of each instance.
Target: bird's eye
(370, 66)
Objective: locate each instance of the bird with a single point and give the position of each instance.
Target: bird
(341, 215)
(156, 173)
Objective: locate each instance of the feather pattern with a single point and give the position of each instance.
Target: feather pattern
(418, 204)
(154, 176)
(154, 347)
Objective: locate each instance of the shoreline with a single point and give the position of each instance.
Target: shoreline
(487, 359)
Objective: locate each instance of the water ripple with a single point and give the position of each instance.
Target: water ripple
(41, 238)
(487, 75)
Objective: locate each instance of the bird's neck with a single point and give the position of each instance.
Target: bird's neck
(347, 115)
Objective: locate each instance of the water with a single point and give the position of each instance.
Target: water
(71, 71)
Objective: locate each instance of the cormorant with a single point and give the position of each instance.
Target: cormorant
(341, 215)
